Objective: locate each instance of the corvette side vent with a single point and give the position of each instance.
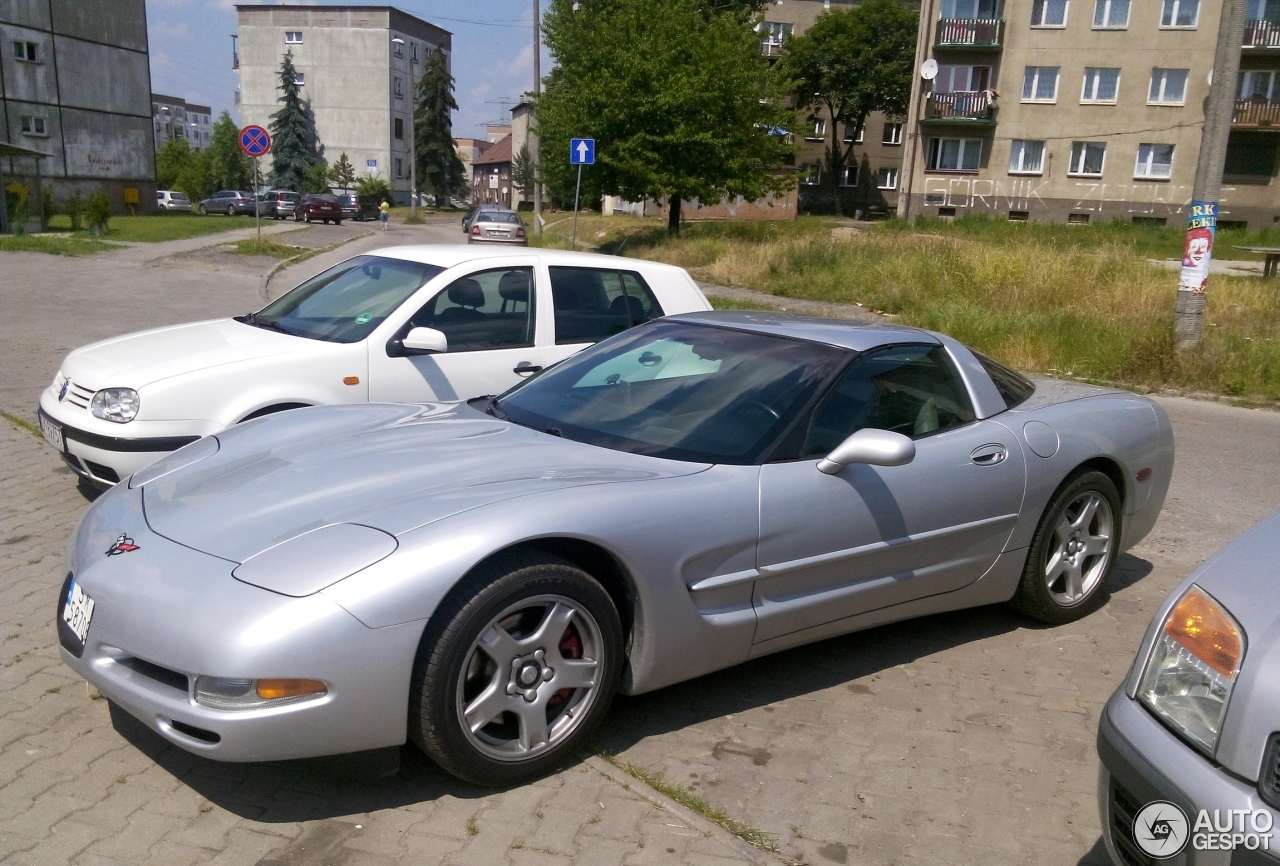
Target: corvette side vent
(1269, 778)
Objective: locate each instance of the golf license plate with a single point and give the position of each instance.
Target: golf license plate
(52, 432)
(75, 614)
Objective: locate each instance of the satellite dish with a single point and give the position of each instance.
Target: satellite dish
(929, 69)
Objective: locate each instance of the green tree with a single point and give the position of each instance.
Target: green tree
(293, 133)
(226, 164)
(675, 94)
(522, 172)
(439, 168)
(375, 187)
(850, 63)
(342, 174)
(317, 177)
(196, 179)
(172, 159)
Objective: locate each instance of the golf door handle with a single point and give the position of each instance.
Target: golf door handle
(525, 367)
(989, 455)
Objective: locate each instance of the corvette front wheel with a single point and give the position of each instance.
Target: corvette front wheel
(515, 670)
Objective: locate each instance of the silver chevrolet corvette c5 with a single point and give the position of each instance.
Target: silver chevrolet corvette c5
(479, 578)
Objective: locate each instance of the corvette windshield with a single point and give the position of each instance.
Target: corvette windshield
(677, 390)
(345, 303)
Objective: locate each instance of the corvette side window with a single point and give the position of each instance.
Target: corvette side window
(488, 310)
(913, 390)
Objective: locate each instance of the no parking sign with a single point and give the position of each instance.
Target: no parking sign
(255, 141)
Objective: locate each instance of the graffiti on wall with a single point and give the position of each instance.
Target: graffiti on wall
(1095, 197)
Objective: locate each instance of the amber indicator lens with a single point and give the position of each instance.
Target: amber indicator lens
(351, 380)
(1200, 626)
(274, 689)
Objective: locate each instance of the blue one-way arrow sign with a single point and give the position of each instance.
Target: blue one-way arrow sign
(582, 151)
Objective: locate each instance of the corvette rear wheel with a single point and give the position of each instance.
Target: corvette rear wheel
(515, 670)
(1073, 550)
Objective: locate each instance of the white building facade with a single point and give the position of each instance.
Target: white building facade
(174, 118)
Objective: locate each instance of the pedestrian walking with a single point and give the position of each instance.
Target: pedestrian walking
(384, 214)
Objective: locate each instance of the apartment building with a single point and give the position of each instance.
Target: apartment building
(75, 84)
(1086, 111)
(358, 67)
(173, 118)
(869, 185)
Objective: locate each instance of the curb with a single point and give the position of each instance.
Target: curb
(302, 257)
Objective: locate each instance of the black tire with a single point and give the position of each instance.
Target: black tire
(451, 643)
(297, 217)
(1036, 595)
(306, 218)
(202, 210)
(337, 222)
(231, 210)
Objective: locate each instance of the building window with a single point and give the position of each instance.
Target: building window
(850, 176)
(413, 51)
(892, 134)
(1026, 157)
(851, 135)
(952, 9)
(818, 129)
(772, 36)
(28, 51)
(299, 78)
(399, 89)
(1261, 10)
(811, 174)
(1100, 85)
(399, 167)
(1049, 13)
(887, 178)
(293, 37)
(1260, 85)
(953, 154)
(1040, 84)
(1087, 158)
(34, 125)
(1168, 87)
(399, 124)
(1155, 161)
(961, 79)
(1180, 13)
(1111, 14)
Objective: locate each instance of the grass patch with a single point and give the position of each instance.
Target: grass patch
(22, 424)
(160, 227)
(78, 245)
(1067, 301)
(603, 233)
(266, 247)
(695, 802)
(720, 302)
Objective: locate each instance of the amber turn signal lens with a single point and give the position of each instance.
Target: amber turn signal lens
(1200, 625)
(351, 380)
(272, 689)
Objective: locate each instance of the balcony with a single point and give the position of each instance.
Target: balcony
(967, 108)
(771, 49)
(1256, 114)
(1261, 34)
(974, 34)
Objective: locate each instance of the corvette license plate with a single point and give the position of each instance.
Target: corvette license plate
(52, 433)
(75, 614)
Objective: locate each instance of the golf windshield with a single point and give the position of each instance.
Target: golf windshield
(677, 390)
(345, 303)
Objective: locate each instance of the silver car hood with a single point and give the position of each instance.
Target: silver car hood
(389, 466)
(1245, 577)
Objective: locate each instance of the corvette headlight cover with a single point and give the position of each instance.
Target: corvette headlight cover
(115, 404)
(1192, 668)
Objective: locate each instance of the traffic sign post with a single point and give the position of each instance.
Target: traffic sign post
(582, 151)
(255, 142)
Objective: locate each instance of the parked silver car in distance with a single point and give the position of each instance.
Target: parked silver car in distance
(498, 227)
(169, 199)
(1190, 742)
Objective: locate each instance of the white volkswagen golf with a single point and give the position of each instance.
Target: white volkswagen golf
(402, 324)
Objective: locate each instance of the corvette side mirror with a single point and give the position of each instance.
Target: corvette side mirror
(425, 341)
(871, 446)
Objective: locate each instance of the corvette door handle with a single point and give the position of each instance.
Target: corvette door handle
(989, 455)
(525, 367)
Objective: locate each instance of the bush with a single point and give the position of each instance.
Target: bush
(98, 213)
(75, 208)
(46, 201)
(374, 187)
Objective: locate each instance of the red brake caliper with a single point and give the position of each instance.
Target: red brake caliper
(570, 648)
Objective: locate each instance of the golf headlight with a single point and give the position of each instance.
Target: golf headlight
(229, 693)
(115, 404)
(1193, 667)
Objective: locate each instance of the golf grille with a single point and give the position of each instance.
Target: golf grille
(1269, 778)
(77, 395)
(1123, 807)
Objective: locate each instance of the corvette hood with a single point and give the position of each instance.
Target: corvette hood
(138, 359)
(388, 466)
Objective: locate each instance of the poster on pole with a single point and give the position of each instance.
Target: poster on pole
(1197, 250)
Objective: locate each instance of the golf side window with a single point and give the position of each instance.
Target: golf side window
(593, 303)
(487, 310)
(912, 389)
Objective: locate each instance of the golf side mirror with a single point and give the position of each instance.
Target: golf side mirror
(425, 341)
(871, 446)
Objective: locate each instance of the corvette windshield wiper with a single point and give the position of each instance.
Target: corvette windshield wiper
(495, 409)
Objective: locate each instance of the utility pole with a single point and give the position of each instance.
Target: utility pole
(534, 148)
(1197, 252)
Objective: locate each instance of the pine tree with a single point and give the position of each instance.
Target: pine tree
(343, 174)
(439, 168)
(293, 133)
(522, 172)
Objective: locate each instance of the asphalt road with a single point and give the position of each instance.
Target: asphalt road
(960, 738)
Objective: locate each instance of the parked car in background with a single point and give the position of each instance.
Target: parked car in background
(318, 206)
(483, 319)
(1195, 728)
(169, 199)
(480, 578)
(477, 209)
(498, 227)
(357, 207)
(278, 204)
(229, 202)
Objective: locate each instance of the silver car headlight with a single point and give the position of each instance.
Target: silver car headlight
(1192, 668)
(115, 404)
(229, 693)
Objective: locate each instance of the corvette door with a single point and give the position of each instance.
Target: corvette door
(491, 320)
(832, 546)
